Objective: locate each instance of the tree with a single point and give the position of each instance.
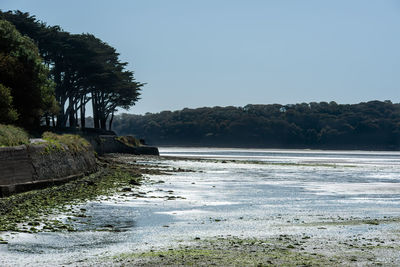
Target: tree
(111, 86)
(23, 72)
(83, 68)
(371, 125)
(7, 113)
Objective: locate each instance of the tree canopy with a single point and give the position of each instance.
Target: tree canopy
(84, 69)
(370, 125)
(26, 93)
(7, 113)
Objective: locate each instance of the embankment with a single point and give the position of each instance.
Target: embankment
(104, 144)
(28, 167)
(104, 141)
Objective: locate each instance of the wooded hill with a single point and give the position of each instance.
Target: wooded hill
(371, 125)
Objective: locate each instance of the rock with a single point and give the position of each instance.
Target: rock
(134, 182)
(126, 189)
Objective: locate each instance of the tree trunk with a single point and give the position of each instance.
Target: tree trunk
(95, 111)
(47, 121)
(61, 115)
(103, 123)
(76, 114)
(83, 113)
(111, 121)
(72, 122)
(60, 94)
(61, 119)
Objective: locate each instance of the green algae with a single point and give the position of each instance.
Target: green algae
(258, 162)
(2, 241)
(293, 164)
(352, 222)
(227, 252)
(29, 212)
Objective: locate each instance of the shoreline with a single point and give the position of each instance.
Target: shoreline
(280, 148)
(24, 212)
(298, 248)
(280, 250)
(310, 150)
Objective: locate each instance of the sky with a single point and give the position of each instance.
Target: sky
(197, 53)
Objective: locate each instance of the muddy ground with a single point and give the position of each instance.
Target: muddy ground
(122, 175)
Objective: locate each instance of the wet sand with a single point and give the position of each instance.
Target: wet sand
(232, 211)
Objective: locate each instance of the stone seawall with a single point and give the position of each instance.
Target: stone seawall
(104, 144)
(28, 167)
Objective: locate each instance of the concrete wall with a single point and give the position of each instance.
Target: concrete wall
(27, 167)
(15, 165)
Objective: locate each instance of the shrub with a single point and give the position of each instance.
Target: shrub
(7, 113)
(12, 136)
(129, 141)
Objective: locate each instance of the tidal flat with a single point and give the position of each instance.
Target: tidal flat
(224, 207)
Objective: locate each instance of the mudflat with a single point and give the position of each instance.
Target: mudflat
(226, 207)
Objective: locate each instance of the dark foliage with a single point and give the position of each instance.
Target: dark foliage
(83, 69)
(26, 92)
(371, 125)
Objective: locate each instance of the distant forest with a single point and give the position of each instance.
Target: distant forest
(371, 125)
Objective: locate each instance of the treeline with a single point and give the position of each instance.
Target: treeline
(371, 125)
(63, 74)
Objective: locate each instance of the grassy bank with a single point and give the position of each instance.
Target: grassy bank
(12, 136)
(73, 142)
(129, 141)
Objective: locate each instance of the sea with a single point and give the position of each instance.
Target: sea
(225, 192)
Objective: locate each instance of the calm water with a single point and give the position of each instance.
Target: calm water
(262, 193)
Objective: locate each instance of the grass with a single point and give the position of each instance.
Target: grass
(74, 143)
(12, 136)
(129, 141)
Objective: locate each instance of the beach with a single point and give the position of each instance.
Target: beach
(231, 207)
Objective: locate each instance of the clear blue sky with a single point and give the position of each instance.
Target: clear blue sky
(194, 53)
